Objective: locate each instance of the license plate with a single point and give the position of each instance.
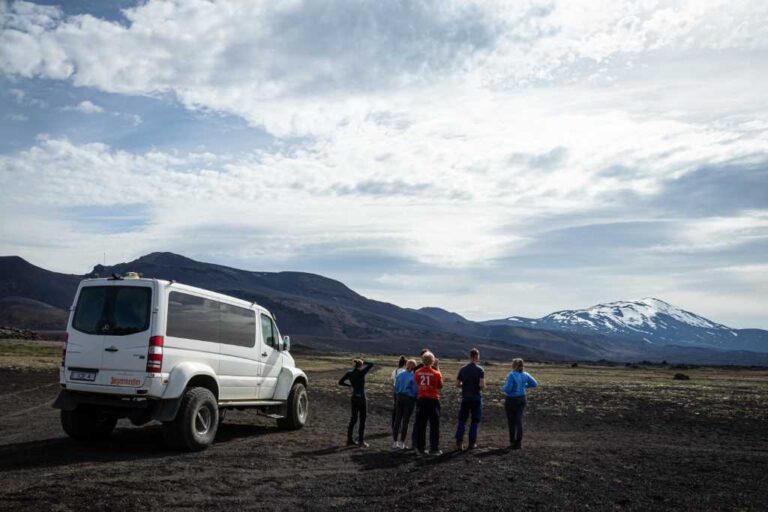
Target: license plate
(87, 376)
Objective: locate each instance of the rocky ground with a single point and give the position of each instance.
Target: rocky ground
(598, 438)
(13, 333)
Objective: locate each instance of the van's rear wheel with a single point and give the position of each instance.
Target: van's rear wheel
(195, 426)
(297, 408)
(87, 424)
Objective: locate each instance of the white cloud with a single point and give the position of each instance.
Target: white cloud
(449, 134)
(440, 204)
(86, 107)
(717, 233)
(309, 67)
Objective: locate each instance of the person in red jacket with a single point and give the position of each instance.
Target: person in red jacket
(429, 381)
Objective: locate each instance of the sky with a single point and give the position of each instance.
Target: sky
(492, 158)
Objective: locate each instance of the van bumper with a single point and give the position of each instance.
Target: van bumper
(120, 405)
(150, 387)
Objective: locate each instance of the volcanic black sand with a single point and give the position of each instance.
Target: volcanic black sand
(598, 438)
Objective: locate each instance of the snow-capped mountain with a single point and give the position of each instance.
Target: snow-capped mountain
(651, 321)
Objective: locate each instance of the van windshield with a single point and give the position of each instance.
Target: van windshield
(113, 310)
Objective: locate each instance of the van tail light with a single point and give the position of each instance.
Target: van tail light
(64, 349)
(155, 354)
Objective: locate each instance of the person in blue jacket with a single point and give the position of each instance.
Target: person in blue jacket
(514, 388)
(405, 390)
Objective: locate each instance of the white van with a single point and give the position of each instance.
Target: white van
(149, 349)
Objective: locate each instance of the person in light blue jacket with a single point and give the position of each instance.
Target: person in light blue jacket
(405, 390)
(514, 404)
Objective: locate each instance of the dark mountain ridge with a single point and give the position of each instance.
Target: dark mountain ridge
(325, 314)
(287, 292)
(318, 312)
(19, 278)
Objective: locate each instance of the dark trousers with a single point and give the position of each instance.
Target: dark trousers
(470, 407)
(514, 406)
(359, 408)
(403, 411)
(394, 409)
(427, 411)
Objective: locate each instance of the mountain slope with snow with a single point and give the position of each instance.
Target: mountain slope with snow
(650, 320)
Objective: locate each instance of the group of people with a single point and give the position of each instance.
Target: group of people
(416, 387)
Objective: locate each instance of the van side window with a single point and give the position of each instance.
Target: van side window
(238, 325)
(268, 331)
(193, 317)
(197, 318)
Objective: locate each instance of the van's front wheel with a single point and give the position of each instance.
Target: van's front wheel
(195, 426)
(87, 424)
(297, 408)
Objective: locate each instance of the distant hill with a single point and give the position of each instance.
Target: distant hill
(443, 316)
(32, 297)
(26, 313)
(305, 303)
(324, 314)
(19, 278)
(651, 321)
(318, 312)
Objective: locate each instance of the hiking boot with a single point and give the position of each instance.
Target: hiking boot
(459, 446)
(435, 453)
(472, 446)
(400, 445)
(395, 446)
(363, 444)
(351, 442)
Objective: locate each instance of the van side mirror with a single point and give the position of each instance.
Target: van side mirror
(286, 343)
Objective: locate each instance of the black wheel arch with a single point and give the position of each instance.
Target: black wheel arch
(204, 381)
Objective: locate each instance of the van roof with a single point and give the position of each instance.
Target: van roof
(176, 286)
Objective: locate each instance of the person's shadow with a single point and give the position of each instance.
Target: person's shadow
(495, 452)
(323, 451)
(369, 460)
(330, 450)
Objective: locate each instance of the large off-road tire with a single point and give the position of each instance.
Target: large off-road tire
(297, 408)
(196, 422)
(87, 424)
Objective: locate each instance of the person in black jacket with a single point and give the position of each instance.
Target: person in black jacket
(355, 378)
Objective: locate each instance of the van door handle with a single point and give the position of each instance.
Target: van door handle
(111, 349)
(263, 354)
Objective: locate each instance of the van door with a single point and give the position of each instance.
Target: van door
(126, 339)
(272, 361)
(110, 333)
(85, 344)
(240, 364)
